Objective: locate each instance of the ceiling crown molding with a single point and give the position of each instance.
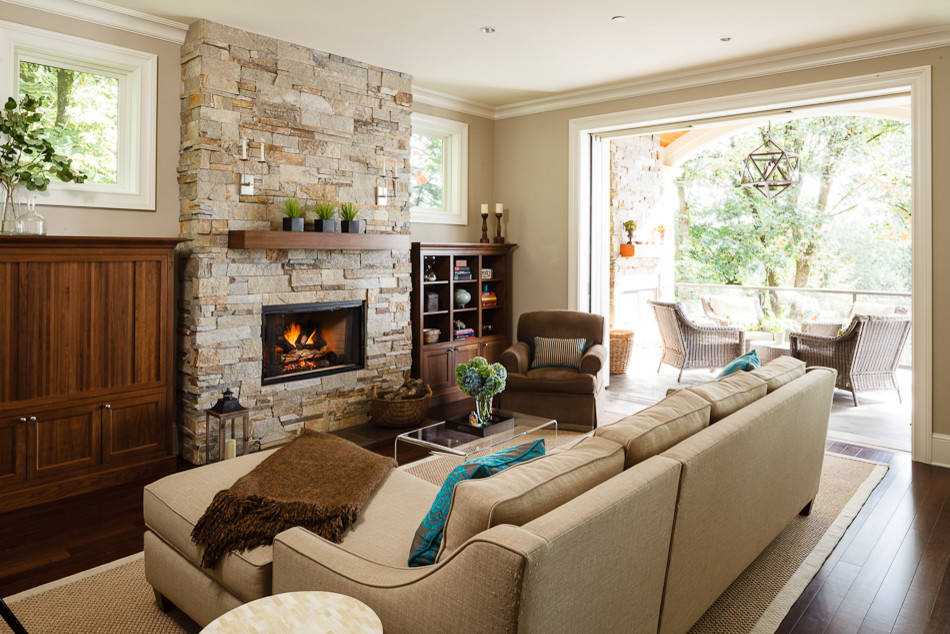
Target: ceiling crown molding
(112, 16)
(450, 102)
(813, 58)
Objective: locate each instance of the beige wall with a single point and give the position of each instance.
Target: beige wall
(480, 151)
(531, 173)
(85, 221)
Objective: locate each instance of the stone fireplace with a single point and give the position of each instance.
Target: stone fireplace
(331, 128)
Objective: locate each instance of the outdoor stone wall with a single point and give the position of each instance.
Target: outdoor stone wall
(331, 128)
(636, 193)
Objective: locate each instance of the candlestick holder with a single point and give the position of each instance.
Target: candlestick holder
(498, 239)
(485, 229)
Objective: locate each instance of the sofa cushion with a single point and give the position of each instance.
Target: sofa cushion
(559, 380)
(428, 537)
(558, 353)
(730, 394)
(780, 371)
(657, 428)
(529, 490)
(383, 531)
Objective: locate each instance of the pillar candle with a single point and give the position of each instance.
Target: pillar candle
(484, 209)
(499, 209)
(244, 149)
(230, 448)
(262, 150)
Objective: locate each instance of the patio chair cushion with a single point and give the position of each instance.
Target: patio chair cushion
(528, 490)
(557, 380)
(780, 371)
(730, 394)
(870, 308)
(654, 430)
(738, 310)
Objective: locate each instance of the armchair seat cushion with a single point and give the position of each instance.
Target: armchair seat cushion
(560, 380)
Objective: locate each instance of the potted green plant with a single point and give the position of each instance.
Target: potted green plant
(348, 221)
(661, 230)
(627, 250)
(481, 380)
(294, 215)
(325, 211)
(27, 158)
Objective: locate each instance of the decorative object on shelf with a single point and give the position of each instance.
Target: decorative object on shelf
(30, 222)
(627, 250)
(405, 406)
(324, 221)
(227, 410)
(487, 274)
(484, 238)
(769, 169)
(661, 231)
(430, 275)
(294, 215)
(499, 210)
(348, 221)
(462, 270)
(432, 302)
(431, 335)
(27, 158)
(481, 381)
(462, 297)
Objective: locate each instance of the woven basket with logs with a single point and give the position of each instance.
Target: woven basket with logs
(403, 407)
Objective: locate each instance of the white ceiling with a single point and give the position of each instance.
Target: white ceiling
(546, 47)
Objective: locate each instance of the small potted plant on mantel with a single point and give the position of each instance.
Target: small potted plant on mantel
(294, 212)
(627, 250)
(348, 221)
(324, 222)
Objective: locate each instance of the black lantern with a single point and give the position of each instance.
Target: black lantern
(227, 410)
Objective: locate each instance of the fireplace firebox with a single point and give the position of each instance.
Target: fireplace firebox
(303, 341)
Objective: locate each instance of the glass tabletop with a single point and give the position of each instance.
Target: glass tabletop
(442, 438)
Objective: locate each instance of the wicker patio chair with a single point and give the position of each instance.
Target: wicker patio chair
(689, 347)
(865, 355)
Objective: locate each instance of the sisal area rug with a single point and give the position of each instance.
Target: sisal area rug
(116, 597)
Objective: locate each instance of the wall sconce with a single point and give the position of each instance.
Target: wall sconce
(247, 180)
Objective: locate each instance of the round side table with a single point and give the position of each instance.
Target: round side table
(312, 612)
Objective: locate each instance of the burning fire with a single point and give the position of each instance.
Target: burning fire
(294, 333)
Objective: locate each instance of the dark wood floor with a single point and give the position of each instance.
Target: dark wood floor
(889, 572)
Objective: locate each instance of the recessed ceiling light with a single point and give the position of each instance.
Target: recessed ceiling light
(725, 39)
(618, 18)
(487, 29)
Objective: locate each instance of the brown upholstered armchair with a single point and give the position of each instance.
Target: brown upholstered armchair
(575, 398)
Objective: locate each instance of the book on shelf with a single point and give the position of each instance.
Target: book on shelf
(459, 262)
(465, 333)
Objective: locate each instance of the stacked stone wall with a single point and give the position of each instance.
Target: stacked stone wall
(332, 128)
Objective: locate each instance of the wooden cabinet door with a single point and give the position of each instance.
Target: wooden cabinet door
(63, 442)
(133, 429)
(12, 450)
(465, 352)
(438, 369)
(9, 371)
(493, 349)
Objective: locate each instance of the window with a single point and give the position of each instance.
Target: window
(99, 105)
(439, 170)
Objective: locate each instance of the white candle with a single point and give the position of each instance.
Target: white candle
(262, 150)
(230, 448)
(484, 209)
(499, 209)
(244, 149)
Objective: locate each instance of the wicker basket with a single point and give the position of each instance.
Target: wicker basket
(621, 343)
(400, 413)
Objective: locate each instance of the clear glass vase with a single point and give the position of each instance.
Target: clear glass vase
(11, 207)
(29, 222)
(483, 410)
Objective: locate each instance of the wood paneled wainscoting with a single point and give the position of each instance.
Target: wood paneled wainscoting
(86, 364)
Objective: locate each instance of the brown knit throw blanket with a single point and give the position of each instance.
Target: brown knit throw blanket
(316, 481)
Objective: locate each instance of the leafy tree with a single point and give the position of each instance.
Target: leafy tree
(847, 223)
(427, 160)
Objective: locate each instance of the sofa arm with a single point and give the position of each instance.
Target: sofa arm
(517, 358)
(402, 597)
(595, 359)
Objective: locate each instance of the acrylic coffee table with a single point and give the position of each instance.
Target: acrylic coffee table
(442, 439)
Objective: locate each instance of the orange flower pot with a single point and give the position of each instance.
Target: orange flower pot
(626, 250)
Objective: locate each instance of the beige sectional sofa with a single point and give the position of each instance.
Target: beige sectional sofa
(636, 529)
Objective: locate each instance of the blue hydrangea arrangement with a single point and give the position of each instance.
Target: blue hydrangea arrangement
(481, 380)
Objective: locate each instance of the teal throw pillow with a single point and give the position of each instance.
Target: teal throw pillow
(558, 353)
(428, 538)
(748, 362)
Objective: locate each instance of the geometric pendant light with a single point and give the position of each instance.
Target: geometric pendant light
(770, 169)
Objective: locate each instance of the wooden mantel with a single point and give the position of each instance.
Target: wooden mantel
(316, 240)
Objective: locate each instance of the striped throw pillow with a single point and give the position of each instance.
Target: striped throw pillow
(558, 353)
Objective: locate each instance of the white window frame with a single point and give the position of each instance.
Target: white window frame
(138, 77)
(455, 148)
